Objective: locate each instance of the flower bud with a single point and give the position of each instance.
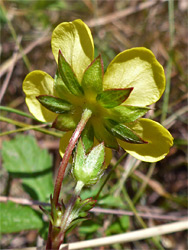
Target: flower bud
(88, 168)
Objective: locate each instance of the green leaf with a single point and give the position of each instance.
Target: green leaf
(23, 158)
(16, 218)
(93, 76)
(66, 122)
(111, 201)
(123, 132)
(113, 97)
(88, 137)
(54, 104)
(124, 113)
(68, 76)
(119, 226)
(89, 227)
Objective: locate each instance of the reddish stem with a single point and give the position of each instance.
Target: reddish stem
(81, 125)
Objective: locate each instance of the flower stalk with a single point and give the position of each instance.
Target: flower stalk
(81, 125)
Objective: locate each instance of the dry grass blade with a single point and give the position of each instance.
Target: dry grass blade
(132, 236)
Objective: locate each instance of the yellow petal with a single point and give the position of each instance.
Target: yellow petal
(158, 138)
(75, 41)
(38, 83)
(64, 142)
(108, 156)
(136, 68)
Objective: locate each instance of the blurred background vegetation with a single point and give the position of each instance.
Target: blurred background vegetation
(116, 25)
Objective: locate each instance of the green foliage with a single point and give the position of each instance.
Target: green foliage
(111, 201)
(23, 158)
(15, 218)
(89, 227)
(3, 18)
(118, 226)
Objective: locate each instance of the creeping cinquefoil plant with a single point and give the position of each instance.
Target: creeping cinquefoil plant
(99, 111)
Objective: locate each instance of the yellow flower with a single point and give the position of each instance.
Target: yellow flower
(117, 98)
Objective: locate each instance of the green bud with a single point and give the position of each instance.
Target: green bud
(88, 168)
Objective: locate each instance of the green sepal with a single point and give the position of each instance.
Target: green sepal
(123, 113)
(88, 169)
(81, 208)
(123, 132)
(102, 135)
(61, 89)
(88, 137)
(74, 223)
(93, 77)
(68, 76)
(113, 97)
(54, 104)
(66, 122)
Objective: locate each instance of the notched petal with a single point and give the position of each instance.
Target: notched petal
(38, 83)
(113, 97)
(138, 68)
(75, 41)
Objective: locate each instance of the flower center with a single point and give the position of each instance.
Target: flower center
(91, 103)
